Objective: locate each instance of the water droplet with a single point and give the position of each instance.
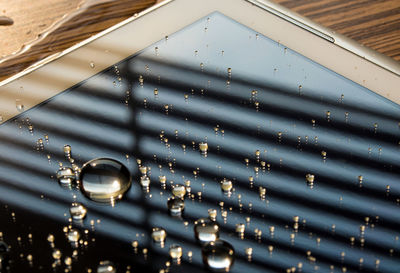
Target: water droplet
(176, 206)
(375, 127)
(218, 256)
(68, 261)
(262, 191)
(310, 178)
(249, 253)
(162, 179)
(106, 267)
(104, 180)
(143, 170)
(206, 230)
(56, 254)
(179, 190)
(50, 238)
(175, 252)
(145, 181)
(66, 176)
(212, 213)
(73, 235)
(141, 81)
(19, 105)
(226, 185)
(328, 115)
(159, 234)
(240, 228)
(203, 146)
(78, 211)
(67, 151)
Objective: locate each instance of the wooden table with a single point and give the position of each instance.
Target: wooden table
(33, 30)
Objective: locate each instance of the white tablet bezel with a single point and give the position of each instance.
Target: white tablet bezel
(65, 69)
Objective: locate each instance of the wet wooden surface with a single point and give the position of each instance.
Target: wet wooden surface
(373, 23)
(49, 26)
(46, 27)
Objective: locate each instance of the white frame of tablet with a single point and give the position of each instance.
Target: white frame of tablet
(65, 69)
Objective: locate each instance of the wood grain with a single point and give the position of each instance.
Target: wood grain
(69, 22)
(373, 23)
(50, 26)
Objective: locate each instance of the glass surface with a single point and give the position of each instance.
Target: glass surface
(305, 159)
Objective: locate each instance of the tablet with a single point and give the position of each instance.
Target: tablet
(222, 136)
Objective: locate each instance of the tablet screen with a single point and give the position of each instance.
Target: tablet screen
(297, 165)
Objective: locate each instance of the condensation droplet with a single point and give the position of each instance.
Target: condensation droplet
(226, 185)
(212, 213)
(106, 267)
(203, 146)
(66, 176)
(56, 254)
(159, 234)
(310, 178)
(78, 211)
(179, 190)
(175, 252)
(19, 105)
(67, 151)
(73, 235)
(145, 181)
(176, 206)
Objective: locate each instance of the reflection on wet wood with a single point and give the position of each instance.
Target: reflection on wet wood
(52, 26)
(81, 21)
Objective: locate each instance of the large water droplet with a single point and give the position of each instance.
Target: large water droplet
(77, 211)
(176, 206)
(104, 180)
(218, 256)
(206, 230)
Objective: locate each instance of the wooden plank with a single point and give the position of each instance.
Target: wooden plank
(373, 23)
(48, 26)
